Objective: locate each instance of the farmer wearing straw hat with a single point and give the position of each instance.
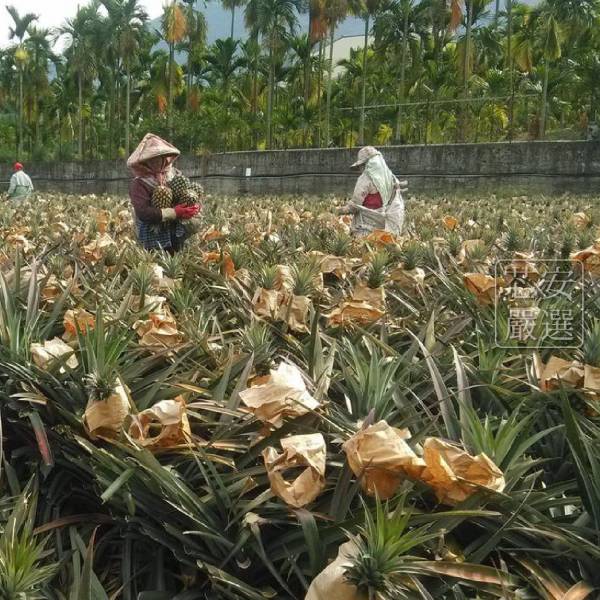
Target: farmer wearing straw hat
(377, 201)
(152, 165)
(20, 187)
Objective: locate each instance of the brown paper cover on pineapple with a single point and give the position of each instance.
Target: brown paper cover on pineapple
(165, 425)
(266, 303)
(104, 419)
(330, 583)
(450, 223)
(51, 351)
(482, 286)
(75, 320)
(455, 475)
(522, 266)
(94, 251)
(408, 279)
(294, 312)
(559, 371)
(589, 259)
(591, 382)
(381, 458)
(467, 247)
(354, 312)
(380, 237)
(307, 451)
(158, 331)
(102, 220)
(335, 265)
(284, 395)
(580, 220)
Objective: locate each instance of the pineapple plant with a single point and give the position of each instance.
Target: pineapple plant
(162, 197)
(378, 269)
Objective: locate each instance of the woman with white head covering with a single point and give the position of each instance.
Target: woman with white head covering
(377, 201)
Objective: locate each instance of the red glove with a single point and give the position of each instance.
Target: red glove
(186, 212)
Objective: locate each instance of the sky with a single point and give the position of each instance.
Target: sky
(53, 13)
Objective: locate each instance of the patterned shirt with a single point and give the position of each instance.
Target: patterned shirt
(153, 233)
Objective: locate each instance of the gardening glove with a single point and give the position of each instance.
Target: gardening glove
(186, 212)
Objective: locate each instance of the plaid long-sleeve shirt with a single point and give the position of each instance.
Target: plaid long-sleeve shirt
(153, 233)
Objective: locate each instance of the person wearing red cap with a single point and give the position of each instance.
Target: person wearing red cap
(20, 187)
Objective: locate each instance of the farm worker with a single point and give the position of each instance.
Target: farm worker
(152, 165)
(377, 201)
(20, 187)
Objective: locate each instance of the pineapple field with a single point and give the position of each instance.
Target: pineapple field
(285, 411)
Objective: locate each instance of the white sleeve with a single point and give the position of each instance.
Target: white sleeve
(13, 185)
(30, 183)
(362, 189)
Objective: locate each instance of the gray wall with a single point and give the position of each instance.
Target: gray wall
(543, 167)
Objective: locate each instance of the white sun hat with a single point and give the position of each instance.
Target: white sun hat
(365, 154)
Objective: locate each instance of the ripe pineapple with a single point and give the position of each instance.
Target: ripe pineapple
(179, 185)
(162, 197)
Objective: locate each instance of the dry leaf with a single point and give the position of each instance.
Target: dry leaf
(330, 584)
(284, 395)
(455, 475)
(104, 418)
(381, 458)
(52, 350)
(165, 425)
(307, 451)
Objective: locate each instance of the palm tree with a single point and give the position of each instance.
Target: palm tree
(559, 17)
(223, 62)
(232, 5)
(81, 55)
(174, 28)
(253, 62)
(21, 25)
(274, 20)
(39, 48)
(399, 21)
(335, 12)
(127, 19)
(196, 43)
(368, 10)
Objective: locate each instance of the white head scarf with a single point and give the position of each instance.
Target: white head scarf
(382, 177)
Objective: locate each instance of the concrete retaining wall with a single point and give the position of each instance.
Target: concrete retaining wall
(543, 167)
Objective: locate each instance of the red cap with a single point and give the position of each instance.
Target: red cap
(18, 166)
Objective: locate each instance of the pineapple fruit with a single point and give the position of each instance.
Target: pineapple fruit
(162, 197)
